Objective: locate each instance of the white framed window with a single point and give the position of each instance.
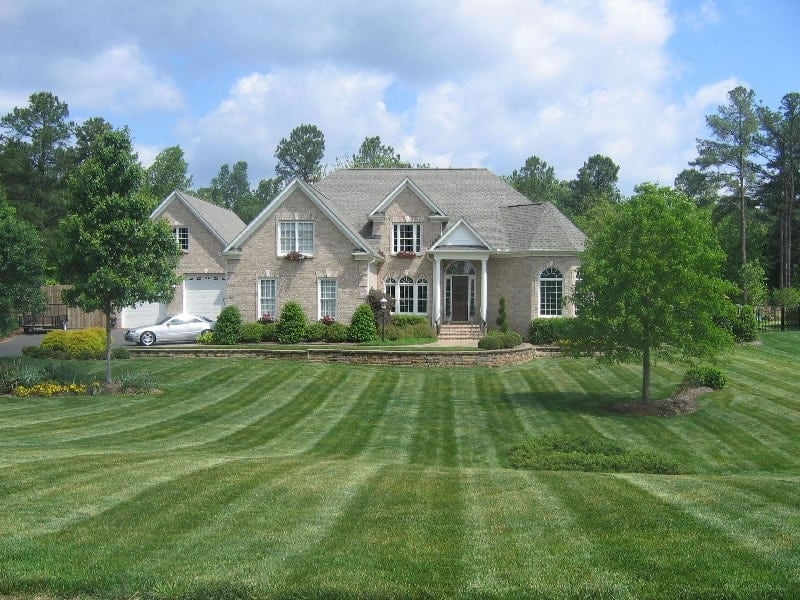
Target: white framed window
(267, 297)
(407, 296)
(406, 237)
(327, 298)
(422, 295)
(296, 236)
(551, 293)
(181, 235)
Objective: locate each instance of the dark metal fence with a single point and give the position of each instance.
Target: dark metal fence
(769, 318)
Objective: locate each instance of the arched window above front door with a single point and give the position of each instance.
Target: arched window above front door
(460, 267)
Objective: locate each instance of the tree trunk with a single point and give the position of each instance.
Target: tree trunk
(108, 348)
(646, 375)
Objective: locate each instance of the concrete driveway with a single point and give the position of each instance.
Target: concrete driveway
(13, 346)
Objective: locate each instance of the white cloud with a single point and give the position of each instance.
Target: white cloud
(116, 77)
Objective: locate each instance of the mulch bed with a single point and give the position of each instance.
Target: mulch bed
(682, 402)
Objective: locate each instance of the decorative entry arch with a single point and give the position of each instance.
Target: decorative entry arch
(459, 291)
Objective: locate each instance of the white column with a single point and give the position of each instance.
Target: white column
(437, 291)
(484, 289)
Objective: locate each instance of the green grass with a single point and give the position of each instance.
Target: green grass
(279, 479)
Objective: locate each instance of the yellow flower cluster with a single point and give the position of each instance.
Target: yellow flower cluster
(49, 389)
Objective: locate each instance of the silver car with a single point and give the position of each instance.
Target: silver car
(180, 328)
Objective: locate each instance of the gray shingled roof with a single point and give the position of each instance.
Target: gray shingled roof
(506, 219)
(222, 222)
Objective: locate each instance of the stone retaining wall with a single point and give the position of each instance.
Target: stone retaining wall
(417, 358)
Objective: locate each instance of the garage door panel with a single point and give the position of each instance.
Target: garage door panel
(204, 295)
(144, 313)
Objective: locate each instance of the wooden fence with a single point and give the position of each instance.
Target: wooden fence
(76, 318)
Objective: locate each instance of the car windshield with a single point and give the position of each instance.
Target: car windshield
(164, 320)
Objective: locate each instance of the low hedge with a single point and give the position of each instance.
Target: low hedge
(251, 333)
(497, 340)
(72, 343)
(549, 331)
(705, 376)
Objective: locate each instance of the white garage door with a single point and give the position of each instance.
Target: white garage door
(144, 313)
(204, 295)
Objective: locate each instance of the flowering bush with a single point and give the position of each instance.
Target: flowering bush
(49, 388)
(327, 320)
(267, 318)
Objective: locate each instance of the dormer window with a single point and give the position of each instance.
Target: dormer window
(406, 237)
(181, 235)
(296, 236)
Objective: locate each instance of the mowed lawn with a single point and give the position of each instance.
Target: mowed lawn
(272, 479)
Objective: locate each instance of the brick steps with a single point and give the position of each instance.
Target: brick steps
(459, 331)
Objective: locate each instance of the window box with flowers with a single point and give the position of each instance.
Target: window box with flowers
(406, 254)
(294, 255)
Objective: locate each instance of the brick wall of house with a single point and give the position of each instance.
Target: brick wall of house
(511, 279)
(406, 208)
(297, 280)
(205, 250)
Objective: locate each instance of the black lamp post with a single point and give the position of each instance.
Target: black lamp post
(383, 319)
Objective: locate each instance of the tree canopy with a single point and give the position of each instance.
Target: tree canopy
(169, 172)
(650, 284)
(537, 181)
(112, 253)
(372, 154)
(300, 155)
(22, 268)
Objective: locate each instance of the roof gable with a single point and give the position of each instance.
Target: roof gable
(461, 235)
(222, 223)
(406, 184)
(317, 199)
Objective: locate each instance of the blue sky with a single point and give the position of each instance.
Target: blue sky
(450, 83)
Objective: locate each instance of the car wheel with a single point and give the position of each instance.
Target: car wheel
(148, 338)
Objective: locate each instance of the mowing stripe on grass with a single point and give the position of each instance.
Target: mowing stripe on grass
(303, 400)
(435, 440)
(351, 433)
(669, 551)
(503, 424)
(762, 518)
(401, 536)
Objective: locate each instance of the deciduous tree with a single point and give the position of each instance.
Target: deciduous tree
(113, 254)
(372, 154)
(650, 284)
(538, 182)
(22, 268)
(169, 172)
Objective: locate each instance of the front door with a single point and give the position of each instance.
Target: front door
(460, 297)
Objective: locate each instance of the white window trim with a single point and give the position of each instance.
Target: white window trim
(176, 233)
(259, 309)
(335, 298)
(560, 280)
(415, 285)
(278, 237)
(417, 240)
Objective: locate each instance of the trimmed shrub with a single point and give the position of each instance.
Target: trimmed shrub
(78, 343)
(270, 332)
(362, 326)
(292, 324)
(229, 324)
(251, 333)
(337, 333)
(745, 325)
(502, 316)
(315, 332)
(495, 340)
(705, 376)
(205, 338)
(136, 381)
(120, 353)
(408, 320)
(549, 331)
